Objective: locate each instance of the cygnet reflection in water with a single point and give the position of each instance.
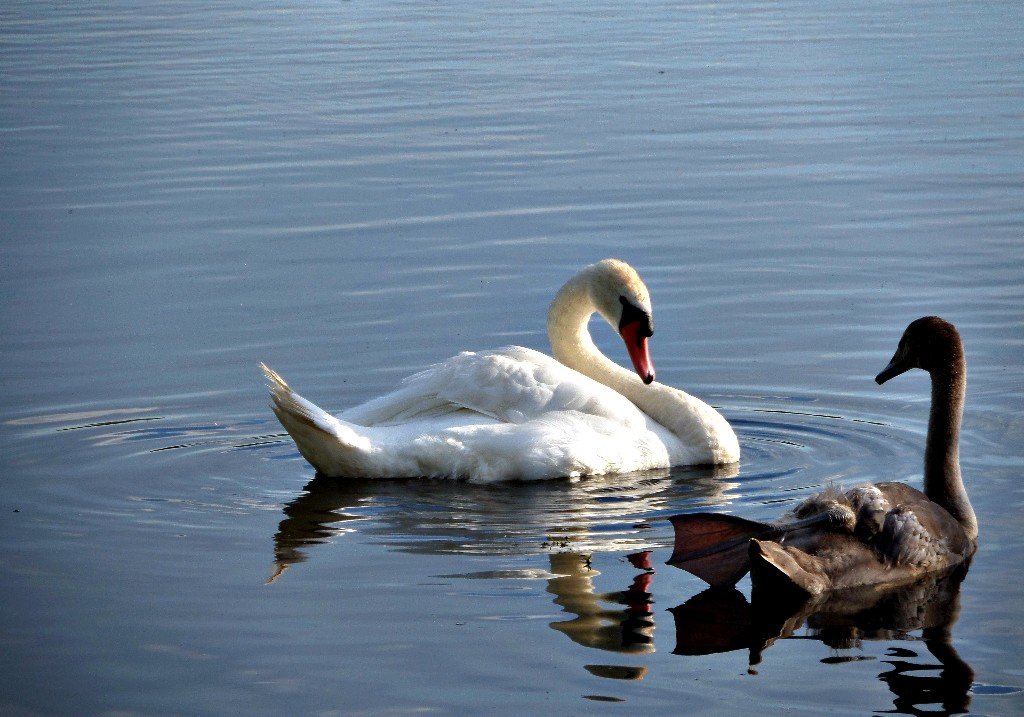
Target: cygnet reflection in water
(722, 620)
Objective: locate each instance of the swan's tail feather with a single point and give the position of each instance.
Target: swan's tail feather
(331, 446)
(714, 546)
(295, 407)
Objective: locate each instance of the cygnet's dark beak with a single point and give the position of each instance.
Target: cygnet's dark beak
(895, 368)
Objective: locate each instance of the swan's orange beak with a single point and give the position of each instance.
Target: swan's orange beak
(635, 335)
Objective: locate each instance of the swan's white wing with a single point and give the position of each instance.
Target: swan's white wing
(516, 385)
(512, 385)
(408, 403)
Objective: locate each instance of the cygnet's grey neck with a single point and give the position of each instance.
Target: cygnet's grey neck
(943, 482)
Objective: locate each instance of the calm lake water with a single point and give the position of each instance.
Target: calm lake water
(351, 191)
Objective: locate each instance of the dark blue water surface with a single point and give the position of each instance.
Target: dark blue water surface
(351, 191)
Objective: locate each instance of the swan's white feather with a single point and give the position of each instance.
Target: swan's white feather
(510, 385)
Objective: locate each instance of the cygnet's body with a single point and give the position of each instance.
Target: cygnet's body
(873, 534)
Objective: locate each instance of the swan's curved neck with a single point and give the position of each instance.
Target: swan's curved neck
(572, 345)
(698, 426)
(942, 480)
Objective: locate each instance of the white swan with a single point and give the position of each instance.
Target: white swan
(515, 413)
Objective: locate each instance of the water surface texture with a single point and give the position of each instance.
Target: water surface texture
(351, 191)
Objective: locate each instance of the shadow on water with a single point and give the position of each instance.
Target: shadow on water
(722, 620)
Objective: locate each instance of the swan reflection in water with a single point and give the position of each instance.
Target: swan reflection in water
(601, 514)
(567, 521)
(722, 620)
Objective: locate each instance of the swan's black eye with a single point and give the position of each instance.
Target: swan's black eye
(632, 314)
